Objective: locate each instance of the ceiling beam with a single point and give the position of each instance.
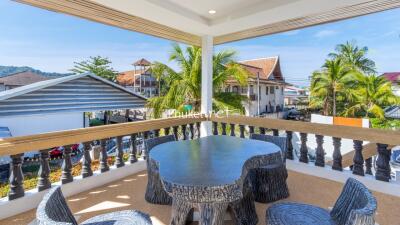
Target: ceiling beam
(102, 14)
(311, 20)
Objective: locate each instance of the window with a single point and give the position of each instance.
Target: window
(227, 89)
(272, 90)
(259, 91)
(251, 89)
(244, 90)
(276, 87)
(266, 90)
(235, 89)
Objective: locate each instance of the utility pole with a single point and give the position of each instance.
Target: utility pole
(258, 93)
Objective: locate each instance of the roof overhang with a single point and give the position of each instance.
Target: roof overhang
(187, 20)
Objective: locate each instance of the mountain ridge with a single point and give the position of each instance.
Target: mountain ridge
(9, 70)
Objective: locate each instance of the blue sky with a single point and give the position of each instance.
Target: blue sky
(51, 42)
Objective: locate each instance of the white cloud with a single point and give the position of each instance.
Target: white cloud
(325, 33)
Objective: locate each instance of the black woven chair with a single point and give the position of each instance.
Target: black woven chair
(355, 206)
(269, 182)
(155, 192)
(53, 210)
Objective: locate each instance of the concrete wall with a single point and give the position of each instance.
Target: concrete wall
(41, 123)
(277, 98)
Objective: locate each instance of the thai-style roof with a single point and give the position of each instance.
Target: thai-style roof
(75, 93)
(393, 77)
(268, 68)
(22, 78)
(142, 62)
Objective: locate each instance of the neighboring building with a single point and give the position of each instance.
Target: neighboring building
(60, 104)
(295, 95)
(19, 79)
(266, 76)
(140, 80)
(394, 78)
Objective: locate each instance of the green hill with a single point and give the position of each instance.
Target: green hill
(7, 70)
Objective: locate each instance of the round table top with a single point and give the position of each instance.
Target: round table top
(207, 161)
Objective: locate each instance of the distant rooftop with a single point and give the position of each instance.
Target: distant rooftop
(392, 76)
(22, 78)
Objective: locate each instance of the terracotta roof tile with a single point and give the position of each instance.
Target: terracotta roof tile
(269, 66)
(393, 76)
(21, 79)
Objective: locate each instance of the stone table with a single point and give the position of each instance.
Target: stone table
(208, 173)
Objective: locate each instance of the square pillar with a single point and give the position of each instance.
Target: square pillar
(206, 82)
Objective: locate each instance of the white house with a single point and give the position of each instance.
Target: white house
(266, 76)
(295, 95)
(59, 104)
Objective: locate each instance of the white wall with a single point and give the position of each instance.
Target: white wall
(35, 124)
(276, 99)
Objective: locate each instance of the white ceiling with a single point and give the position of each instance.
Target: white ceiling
(232, 15)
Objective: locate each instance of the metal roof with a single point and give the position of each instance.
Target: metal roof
(5, 132)
(76, 93)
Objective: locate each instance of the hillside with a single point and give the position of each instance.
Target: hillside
(7, 70)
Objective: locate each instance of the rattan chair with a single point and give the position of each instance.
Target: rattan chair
(355, 206)
(155, 192)
(269, 182)
(53, 210)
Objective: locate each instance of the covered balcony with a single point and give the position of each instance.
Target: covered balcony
(118, 182)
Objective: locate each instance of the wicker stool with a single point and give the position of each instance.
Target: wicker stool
(269, 183)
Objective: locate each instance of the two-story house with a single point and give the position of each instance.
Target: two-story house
(265, 75)
(139, 80)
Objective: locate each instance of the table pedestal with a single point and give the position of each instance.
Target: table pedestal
(210, 213)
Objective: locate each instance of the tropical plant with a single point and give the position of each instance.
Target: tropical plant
(184, 87)
(98, 65)
(328, 85)
(354, 57)
(371, 94)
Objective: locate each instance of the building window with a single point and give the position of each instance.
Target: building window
(266, 90)
(259, 91)
(251, 89)
(272, 90)
(244, 90)
(276, 87)
(235, 89)
(282, 89)
(227, 89)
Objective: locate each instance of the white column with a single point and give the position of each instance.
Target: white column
(206, 82)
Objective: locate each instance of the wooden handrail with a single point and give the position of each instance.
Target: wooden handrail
(355, 133)
(16, 145)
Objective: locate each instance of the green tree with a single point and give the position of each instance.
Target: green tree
(371, 95)
(159, 71)
(184, 87)
(328, 84)
(354, 57)
(98, 65)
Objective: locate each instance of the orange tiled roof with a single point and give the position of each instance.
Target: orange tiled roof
(269, 66)
(127, 78)
(22, 78)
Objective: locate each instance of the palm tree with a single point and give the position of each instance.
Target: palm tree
(185, 86)
(372, 93)
(158, 70)
(328, 84)
(354, 57)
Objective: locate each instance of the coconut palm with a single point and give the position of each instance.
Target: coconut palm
(372, 94)
(185, 86)
(354, 57)
(328, 85)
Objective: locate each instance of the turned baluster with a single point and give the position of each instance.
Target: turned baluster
(167, 130)
(86, 160)
(251, 129)
(66, 167)
(337, 155)
(232, 126)
(275, 132)
(382, 163)
(215, 128)
(358, 160)
(320, 152)
(44, 171)
(16, 177)
(303, 148)
(119, 158)
(175, 131)
(241, 128)
(103, 156)
(157, 133)
(223, 125)
(262, 130)
(289, 152)
(368, 166)
(133, 149)
(198, 129)
(183, 129)
(191, 129)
